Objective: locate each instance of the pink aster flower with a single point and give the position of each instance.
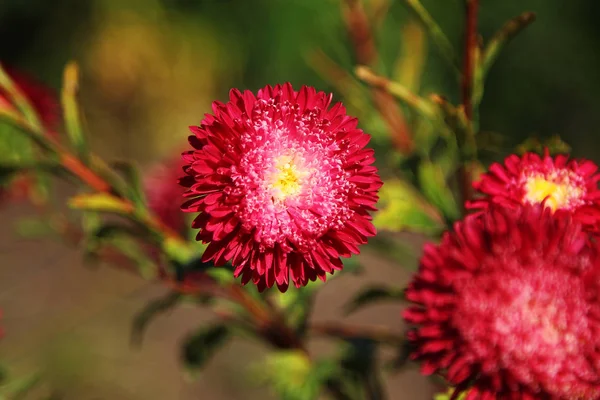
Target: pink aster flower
(164, 193)
(508, 307)
(560, 183)
(283, 183)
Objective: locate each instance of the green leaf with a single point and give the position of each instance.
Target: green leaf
(152, 310)
(554, 144)
(131, 248)
(202, 345)
(123, 238)
(359, 361)
(436, 190)
(448, 395)
(19, 99)
(71, 111)
(180, 251)
(134, 183)
(101, 202)
(372, 295)
(292, 375)
(402, 208)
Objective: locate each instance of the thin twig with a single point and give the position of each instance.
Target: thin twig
(419, 104)
(341, 330)
(468, 75)
(365, 52)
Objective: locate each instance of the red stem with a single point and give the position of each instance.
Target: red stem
(472, 8)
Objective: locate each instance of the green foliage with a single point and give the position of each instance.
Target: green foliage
(202, 345)
(100, 202)
(71, 111)
(133, 184)
(152, 310)
(448, 395)
(293, 376)
(401, 208)
(435, 188)
(554, 144)
(16, 389)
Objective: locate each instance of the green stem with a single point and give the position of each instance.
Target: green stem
(420, 105)
(19, 99)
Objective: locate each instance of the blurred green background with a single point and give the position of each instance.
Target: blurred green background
(150, 68)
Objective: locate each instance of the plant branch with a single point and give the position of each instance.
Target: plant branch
(417, 103)
(365, 52)
(469, 56)
(468, 78)
(341, 330)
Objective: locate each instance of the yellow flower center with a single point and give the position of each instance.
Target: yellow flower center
(557, 194)
(286, 181)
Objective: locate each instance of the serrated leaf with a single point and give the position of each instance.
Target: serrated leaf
(152, 310)
(199, 347)
(402, 208)
(435, 188)
(372, 295)
(100, 202)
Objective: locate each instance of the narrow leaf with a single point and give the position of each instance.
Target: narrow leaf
(101, 202)
(134, 183)
(151, 311)
(435, 188)
(71, 110)
(201, 346)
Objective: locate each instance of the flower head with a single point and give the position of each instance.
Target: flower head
(283, 185)
(561, 184)
(164, 193)
(508, 307)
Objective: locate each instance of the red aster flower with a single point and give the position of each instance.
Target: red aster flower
(164, 193)
(508, 307)
(562, 184)
(283, 185)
